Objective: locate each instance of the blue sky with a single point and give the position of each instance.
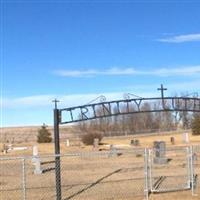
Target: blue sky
(78, 50)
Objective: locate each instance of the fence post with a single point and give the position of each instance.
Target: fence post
(188, 167)
(57, 152)
(192, 171)
(146, 174)
(24, 178)
(150, 169)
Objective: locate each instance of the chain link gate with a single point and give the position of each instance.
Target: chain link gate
(196, 164)
(177, 174)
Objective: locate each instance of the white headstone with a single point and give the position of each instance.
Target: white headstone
(19, 148)
(96, 144)
(35, 150)
(67, 143)
(185, 137)
(36, 161)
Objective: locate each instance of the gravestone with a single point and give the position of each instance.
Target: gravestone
(185, 138)
(67, 143)
(35, 150)
(160, 152)
(135, 142)
(96, 144)
(113, 151)
(5, 149)
(172, 140)
(36, 161)
(132, 142)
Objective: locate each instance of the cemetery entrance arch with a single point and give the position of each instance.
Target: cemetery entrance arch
(89, 112)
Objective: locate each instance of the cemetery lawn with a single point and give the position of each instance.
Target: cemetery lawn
(75, 173)
(145, 141)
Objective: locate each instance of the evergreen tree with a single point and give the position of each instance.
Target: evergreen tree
(196, 125)
(44, 136)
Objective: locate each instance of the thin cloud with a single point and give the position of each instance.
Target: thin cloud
(28, 101)
(93, 72)
(45, 101)
(180, 71)
(181, 38)
(42, 101)
(120, 71)
(76, 73)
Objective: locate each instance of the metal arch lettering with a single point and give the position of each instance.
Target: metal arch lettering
(106, 110)
(138, 103)
(90, 111)
(83, 113)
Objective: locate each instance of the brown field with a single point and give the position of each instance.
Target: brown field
(29, 133)
(146, 141)
(96, 177)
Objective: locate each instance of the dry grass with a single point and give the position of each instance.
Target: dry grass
(92, 178)
(181, 195)
(147, 141)
(79, 173)
(77, 146)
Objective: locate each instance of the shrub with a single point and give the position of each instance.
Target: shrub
(196, 125)
(89, 137)
(44, 136)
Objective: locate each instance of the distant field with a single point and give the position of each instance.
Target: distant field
(29, 133)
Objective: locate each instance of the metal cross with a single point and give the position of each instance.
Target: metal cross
(162, 90)
(55, 101)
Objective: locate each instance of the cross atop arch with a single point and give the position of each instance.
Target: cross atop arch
(162, 89)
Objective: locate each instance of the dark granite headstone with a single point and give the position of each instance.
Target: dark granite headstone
(172, 140)
(160, 152)
(132, 142)
(135, 142)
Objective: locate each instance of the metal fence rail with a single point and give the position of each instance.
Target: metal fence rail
(119, 174)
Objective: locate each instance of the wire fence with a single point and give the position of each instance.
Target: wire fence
(119, 174)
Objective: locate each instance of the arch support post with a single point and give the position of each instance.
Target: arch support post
(57, 154)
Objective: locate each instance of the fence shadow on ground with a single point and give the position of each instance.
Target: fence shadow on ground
(92, 185)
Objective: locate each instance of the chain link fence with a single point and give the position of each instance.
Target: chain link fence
(12, 179)
(196, 151)
(119, 174)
